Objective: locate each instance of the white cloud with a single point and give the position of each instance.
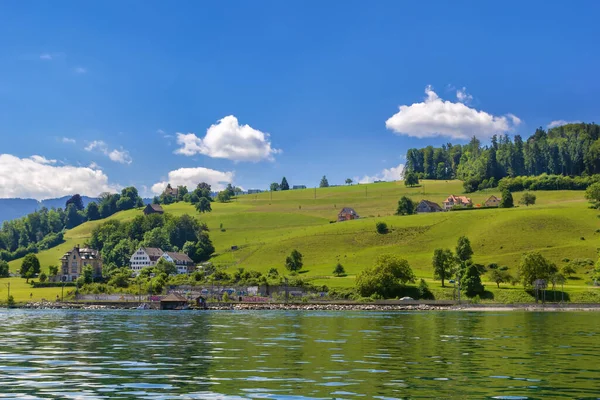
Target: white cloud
(228, 139)
(463, 96)
(42, 160)
(36, 177)
(388, 174)
(120, 156)
(80, 70)
(436, 117)
(191, 177)
(68, 140)
(46, 56)
(561, 122)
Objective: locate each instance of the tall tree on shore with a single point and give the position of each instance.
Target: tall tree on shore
(324, 182)
(284, 184)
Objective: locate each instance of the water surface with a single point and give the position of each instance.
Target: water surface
(298, 355)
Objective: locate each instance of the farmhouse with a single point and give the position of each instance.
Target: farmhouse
(73, 262)
(170, 191)
(184, 263)
(254, 191)
(347, 214)
(458, 201)
(493, 201)
(153, 209)
(149, 256)
(296, 187)
(426, 206)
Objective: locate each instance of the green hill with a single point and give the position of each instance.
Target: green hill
(267, 226)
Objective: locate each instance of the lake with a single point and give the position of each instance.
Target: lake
(298, 355)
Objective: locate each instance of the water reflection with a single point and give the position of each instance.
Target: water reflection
(297, 355)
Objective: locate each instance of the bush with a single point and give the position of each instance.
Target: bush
(386, 279)
(43, 277)
(339, 270)
(424, 292)
(381, 228)
(10, 301)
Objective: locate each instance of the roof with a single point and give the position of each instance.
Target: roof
(181, 257)
(155, 207)
(458, 199)
(173, 297)
(153, 252)
(348, 210)
(431, 204)
(494, 197)
(84, 252)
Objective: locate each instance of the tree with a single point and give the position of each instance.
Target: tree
(339, 270)
(92, 211)
(53, 270)
(203, 205)
(405, 206)
(535, 266)
(443, 264)
(4, 271)
(381, 228)
(88, 274)
(527, 199)
(324, 183)
(294, 261)
(284, 184)
(157, 237)
(386, 278)
(568, 270)
(592, 193)
(471, 281)
(30, 266)
(464, 251)
(274, 187)
(166, 267)
(201, 250)
(77, 201)
(73, 218)
(411, 179)
(507, 199)
(348, 181)
(499, 276)
(230, 190)
(43, 277)
(223, 196)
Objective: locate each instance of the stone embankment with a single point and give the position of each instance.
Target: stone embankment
(337, 307)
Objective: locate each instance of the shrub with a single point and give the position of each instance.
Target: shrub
(381, 228)
(339, 270)
(386, 279)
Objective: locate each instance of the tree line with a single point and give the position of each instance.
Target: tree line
(568, 150)
(44, 228)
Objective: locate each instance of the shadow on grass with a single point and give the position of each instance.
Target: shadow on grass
(551, 295)
(304, 271)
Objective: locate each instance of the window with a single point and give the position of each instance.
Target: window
(74, 267)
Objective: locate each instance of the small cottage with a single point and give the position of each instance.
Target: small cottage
(457, 201)
(347, 214)
(426, 206)
(492, 201)
(173, 301)
(153, 209)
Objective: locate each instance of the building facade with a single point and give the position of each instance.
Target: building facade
(74, 261)
(492, 201)
(347, 214)
(184, 264)
(426, 206)
(457, 201)
(144, 257)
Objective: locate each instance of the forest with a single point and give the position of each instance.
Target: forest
(44, 228)
(568, 150)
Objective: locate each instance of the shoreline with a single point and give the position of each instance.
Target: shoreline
(532, 307)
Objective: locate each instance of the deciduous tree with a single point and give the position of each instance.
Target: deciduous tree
(443, 264)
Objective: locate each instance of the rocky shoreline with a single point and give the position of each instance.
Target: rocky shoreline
(327, 307)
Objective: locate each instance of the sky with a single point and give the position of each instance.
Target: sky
(96, 96)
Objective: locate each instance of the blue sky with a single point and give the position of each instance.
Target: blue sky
(318, 84)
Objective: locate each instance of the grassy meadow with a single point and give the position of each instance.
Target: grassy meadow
(266, 227)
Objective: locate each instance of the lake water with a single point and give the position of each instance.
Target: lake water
(298, 355)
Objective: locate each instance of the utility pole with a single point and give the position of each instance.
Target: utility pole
(315, 192)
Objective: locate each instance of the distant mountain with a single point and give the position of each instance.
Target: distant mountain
(17, 208)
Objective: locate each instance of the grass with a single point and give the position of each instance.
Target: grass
(266, 227)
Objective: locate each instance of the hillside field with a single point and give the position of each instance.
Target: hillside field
(266, 227)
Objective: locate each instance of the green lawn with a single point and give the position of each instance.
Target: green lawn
(266, 227)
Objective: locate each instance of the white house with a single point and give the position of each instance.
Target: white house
(149, 256)
(144, 257)
(184, 264)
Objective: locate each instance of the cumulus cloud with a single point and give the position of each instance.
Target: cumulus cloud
(191, 177)
(388, 174)
(37, 177)
(561, 122)
(68, 140)
(120, 156)
(228, 139)
(436, 117)
(463, 96)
